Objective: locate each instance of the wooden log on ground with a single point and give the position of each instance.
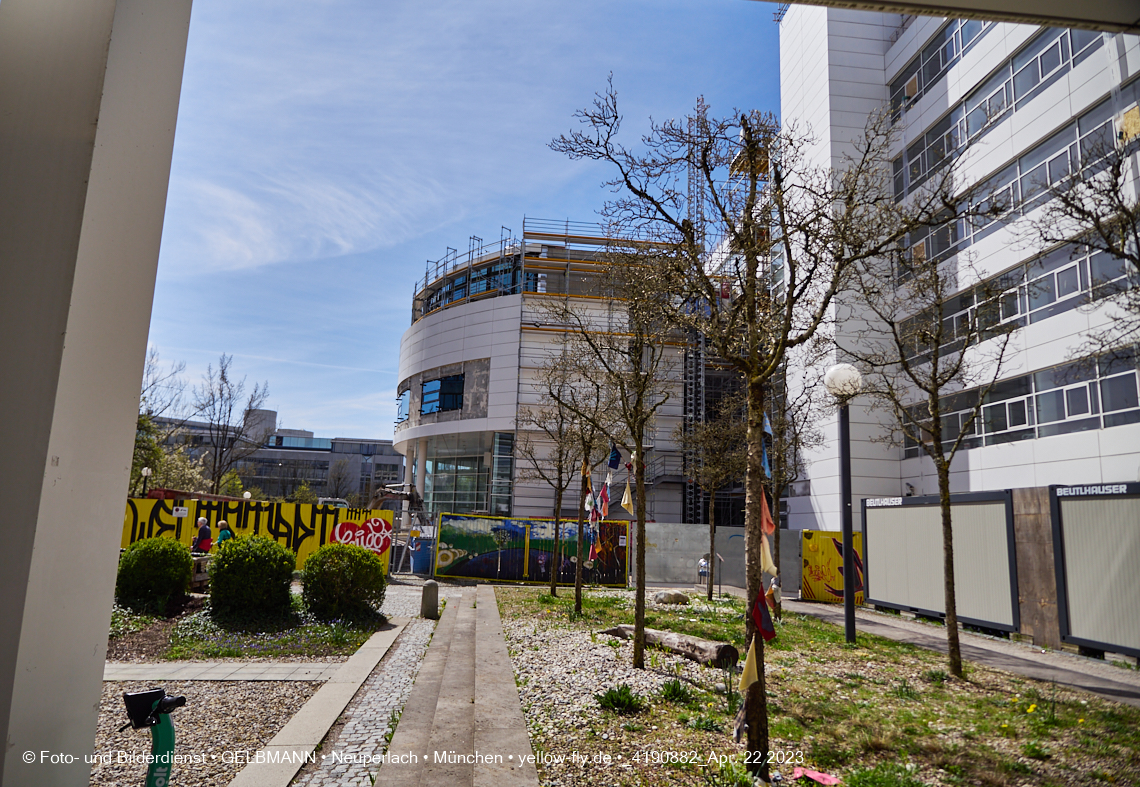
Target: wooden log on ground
(702, 651)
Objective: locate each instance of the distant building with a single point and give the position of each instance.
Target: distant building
(292, 457)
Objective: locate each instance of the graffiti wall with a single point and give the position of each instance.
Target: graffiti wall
(300, 527)
(522, 550)
(822, 578)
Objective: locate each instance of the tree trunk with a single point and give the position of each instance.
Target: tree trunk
(702, 651)
(578, 562)
(639, 595)
(756, 701)
(952, 645)
(555, 563)
(712, 541)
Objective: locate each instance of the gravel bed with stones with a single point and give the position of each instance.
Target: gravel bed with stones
(219, 719)
(559, 671)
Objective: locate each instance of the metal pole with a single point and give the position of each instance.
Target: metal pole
(848, 538)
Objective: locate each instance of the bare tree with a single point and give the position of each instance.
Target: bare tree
(624, 345)
(760, 242)
(933, 351)
(339, 479)
(720, 456)
(232, 432)
(794, 417)
(552, 443)
(162, 411)
(1093, 203)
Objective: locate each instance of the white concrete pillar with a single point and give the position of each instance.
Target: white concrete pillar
(89, 90)
(421, 465)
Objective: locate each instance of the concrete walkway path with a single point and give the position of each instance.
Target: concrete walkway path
(221, 670)
(1078, 672)
(463, 720)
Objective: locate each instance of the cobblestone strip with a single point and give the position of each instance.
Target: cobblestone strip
(368, 720)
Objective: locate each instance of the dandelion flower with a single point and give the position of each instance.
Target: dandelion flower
(1032, 708)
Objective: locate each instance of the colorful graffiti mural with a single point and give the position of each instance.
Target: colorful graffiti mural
(301, 527)
(823, 566)
(522, 550)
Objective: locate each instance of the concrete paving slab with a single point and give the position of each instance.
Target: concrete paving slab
(414, 730)
(499, 724)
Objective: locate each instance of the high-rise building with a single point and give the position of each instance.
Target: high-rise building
(1018, 107)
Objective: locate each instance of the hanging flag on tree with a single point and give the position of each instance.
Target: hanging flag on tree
(767, 525)
(615, 457)
(764, 465)
(750, 675)
(604, 495)
(767, 425)
(767, 565)
(627, 498)
(762, 619)
(589, 502)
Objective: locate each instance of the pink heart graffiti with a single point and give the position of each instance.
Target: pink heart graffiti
(374, 534)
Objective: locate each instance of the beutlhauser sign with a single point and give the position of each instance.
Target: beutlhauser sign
(301, 527)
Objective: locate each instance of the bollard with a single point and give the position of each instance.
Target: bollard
(429, 602)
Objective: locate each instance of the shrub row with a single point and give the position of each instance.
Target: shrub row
(250, 577)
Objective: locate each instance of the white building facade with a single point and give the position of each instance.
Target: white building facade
(474, 355)
(1020, 105)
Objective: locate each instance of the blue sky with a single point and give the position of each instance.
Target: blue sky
(326, 149)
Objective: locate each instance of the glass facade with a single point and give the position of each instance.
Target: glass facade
(469, 473)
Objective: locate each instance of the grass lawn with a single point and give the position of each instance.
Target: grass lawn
(878, 714)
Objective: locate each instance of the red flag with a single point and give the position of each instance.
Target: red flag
(763, 619)
(766, 523)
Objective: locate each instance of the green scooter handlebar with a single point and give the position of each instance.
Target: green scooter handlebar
(152, 709)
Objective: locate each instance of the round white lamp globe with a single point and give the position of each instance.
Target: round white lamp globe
(843, 381)
(246, 495)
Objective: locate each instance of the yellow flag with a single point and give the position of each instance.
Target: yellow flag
(767, 565)
(627, 498)
(749, 676)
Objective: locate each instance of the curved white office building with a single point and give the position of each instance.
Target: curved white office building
(469, 360)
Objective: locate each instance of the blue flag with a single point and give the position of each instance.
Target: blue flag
(615, 457)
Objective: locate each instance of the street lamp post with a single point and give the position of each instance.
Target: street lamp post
(844, 381)
(145, 473)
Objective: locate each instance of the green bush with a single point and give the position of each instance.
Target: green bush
(343, 582)
(151, 573)
(249, 577)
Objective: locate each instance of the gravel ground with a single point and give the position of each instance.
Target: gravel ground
(559, 670)
(220, 724)
(222, 718)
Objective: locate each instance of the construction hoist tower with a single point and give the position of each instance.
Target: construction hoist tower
(696, 359)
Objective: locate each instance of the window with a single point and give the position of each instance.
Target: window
(403, 406)
(927, 68)
(442, 395)
(1048, 56)
(1074, 397)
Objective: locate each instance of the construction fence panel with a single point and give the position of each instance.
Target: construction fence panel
(300, 527)
(672, 551)
(1096, 537)
(904, 557)
(523, 550)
